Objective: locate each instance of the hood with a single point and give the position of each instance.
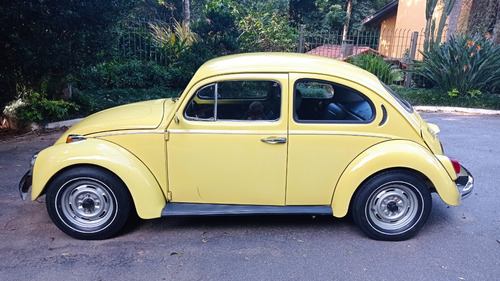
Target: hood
(136, 116)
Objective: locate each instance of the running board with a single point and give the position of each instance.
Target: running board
(193, 209)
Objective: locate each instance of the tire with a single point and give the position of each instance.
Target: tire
(88, 203)
(392, 206)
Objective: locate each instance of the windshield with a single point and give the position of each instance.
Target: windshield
(407, 106)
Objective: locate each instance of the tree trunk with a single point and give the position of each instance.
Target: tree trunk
(346, 25)
(187, 12)
(453, 21)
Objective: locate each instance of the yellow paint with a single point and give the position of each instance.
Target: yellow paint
(149, 147)
(394, 154)
(226, 161)
(144, 188)
(156, 151)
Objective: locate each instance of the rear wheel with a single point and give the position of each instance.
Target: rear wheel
(392, 206)
(88, 203)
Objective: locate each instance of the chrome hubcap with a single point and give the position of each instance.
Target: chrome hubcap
(393, 206)
(87, 204)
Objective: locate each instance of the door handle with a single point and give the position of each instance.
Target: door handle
(274, 140)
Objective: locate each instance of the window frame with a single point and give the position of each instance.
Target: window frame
(335, 85)
(216, 101)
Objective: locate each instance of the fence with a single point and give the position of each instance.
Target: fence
(135, 41)
(394, 45)
(397, 46)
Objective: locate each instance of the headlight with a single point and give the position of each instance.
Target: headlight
(33, 160)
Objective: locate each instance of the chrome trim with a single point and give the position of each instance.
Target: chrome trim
(243, 132)
(131, 133)
(225, 132)
(27, 180)
(339, 134)
(273, 140)
(465, 182)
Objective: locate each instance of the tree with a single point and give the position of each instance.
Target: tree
(332, 15)
(45, 42)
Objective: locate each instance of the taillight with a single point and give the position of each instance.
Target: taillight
(456, 165)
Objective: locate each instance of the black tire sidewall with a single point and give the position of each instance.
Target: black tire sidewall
(114, 186)
(360, 212)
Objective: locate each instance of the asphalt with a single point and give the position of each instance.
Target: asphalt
(457, 243)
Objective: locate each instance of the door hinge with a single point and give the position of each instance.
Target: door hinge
(167, 135)
(169, 196)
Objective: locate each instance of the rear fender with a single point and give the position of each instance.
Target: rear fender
(393, 154)
(148, 198)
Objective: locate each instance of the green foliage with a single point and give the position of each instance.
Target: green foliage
(174, 42)
(465, 65)
(218, 30)
(433, 37)
(267, 32)
(330, 15)
(436, 97)
(375, 64)
(37, 108)
(54, 38)
(118, 82)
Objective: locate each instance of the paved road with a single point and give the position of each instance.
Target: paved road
(457, 243)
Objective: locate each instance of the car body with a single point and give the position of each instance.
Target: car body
(261, 133)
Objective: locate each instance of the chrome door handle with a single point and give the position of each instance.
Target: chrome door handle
(274, 140)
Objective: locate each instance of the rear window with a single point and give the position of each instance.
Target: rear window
(407, 106)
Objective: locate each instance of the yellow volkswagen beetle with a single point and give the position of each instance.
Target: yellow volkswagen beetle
(256, 133)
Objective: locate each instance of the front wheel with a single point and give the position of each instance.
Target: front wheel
(392, 206)
(88, 203)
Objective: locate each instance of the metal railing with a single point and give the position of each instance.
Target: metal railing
(393, 44)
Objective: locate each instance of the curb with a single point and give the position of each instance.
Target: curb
(55, 125)
(459, 110)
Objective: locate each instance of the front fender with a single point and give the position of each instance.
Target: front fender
(389, 155)
(144, 188)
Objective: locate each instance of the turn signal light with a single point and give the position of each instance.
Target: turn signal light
(74, 138)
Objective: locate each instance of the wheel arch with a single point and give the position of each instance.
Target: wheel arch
(394, 155)
(142, 185)
(413, 172)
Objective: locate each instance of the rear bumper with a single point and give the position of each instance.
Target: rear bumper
(465, 182)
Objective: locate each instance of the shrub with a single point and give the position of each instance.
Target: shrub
(375, 64)
(461, 66)
(35, 107)
(174, 42)
(114, 83)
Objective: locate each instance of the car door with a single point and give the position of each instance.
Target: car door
(331, 122)
(228, 143)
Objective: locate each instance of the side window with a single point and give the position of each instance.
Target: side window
(236, 100)
(324, 101)
(202, 103)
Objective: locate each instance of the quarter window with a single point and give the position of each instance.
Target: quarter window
(322, 101)
(236, 100)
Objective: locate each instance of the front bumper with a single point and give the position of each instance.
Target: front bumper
(25, 184)
(27, 179)
(465, 182)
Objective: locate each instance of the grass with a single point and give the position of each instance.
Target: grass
(435, 97)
